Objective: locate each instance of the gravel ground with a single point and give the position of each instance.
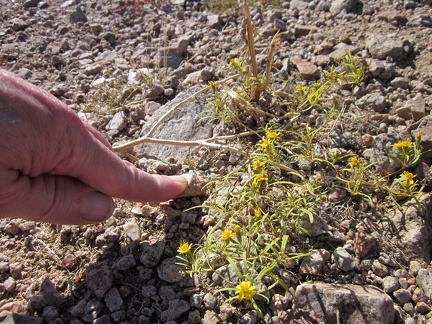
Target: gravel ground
(117, 63)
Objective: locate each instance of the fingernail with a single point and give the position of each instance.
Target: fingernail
(180, 179)
(97, 207)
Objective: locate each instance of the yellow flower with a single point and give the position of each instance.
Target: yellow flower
(257, 164)
(301, 89)
(408, 179)
(266, 143)
(212, 84)
(257, 213)
(236, 228)
(232, 62)
(245, 290)
(184, 247)
(260, 177)
(272, 135)
(254, 185)
(354, 162)
(227, 234)
(316, 84)
(404, 143)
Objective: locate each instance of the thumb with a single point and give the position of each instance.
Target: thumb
(55, 199)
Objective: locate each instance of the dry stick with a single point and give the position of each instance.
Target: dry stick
(250, 41)
(243, 102)
(204, 142)
(121, 147)
(269, 63)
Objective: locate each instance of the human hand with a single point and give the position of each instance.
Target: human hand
(54, 168)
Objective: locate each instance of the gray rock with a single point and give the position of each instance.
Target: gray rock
(214, 20)
(92, 69)
(343, 259)
(50, 313)
(379, 269)
(307, 70)
(225, 274)
(93, 309)
(199, 76)
(106, 56)
(318, 227)
(379, 153)
(36, 304)
(194, 317)
(210, 301)
(30, 3)
(375, 101)
(196, 300)
(19, 24)
(390, 284)
(302, 30)
(151, 252)
(298, 4)
(99, 279)
(148, 291)
(211, 317)
(79, 309)
(113, 300)
(118, 122)
(50, 293)
(414, 239)
(382, 69)
(400, 82)
(336, 303)
(12, 318)
(424, 281)
(77, 16)
(314, 262)
(416, 107)
(132, 230)
(176, 308)
(9, 285)
(424, 126)
(173, 56)
(166, 293)
(402, 296)
(380, 46)
(338, 6)
(170, 271)
(183, 124)
(365, 244)
(341, 50)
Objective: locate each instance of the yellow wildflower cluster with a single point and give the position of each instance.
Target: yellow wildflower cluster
(227, 234)
(407, 179)
(236, 228)
(257, 213)
(257, 164)
(269, 139)
(184, 247)
(354, 162)
(245, 290)
(403, 144)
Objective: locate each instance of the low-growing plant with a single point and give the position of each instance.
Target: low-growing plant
(260, 208)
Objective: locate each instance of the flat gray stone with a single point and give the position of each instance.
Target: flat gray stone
(183, 124)
(337, 303)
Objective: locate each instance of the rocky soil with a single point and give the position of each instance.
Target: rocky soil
(122, 64)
